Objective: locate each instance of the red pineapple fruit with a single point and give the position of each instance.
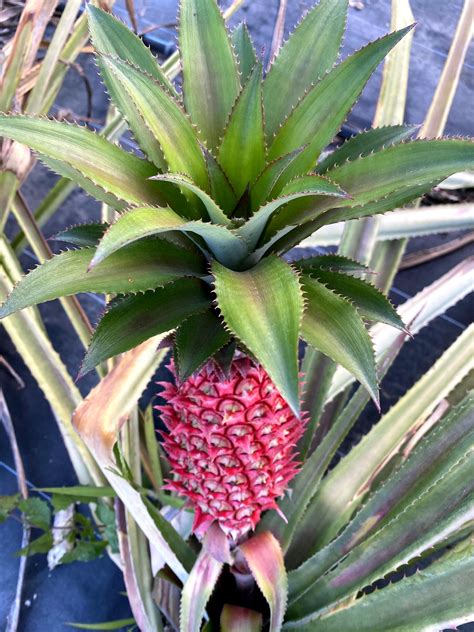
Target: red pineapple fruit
(231, 444)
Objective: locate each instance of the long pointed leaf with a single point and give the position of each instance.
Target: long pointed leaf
(318, 116)
(442, 509)
(372, 177)
(117, 172)
(350, 481)
(446, 444)
(369, 301)
(221, 189)
(242, 150)
(366, 142)
(147, 221)
(164, 118)
(433, 599)
(263, 307)
(262, 189)
(193, 350)
(98, 421)
(210, 77)
(265, 559)
(244, 49)
(305, 187)
(202, 579)
(136, 268)
(132, 320)
(332, 325)
(215, 213)
(112, 37)
(310, 51)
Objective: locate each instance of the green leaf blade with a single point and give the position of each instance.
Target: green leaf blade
(197, 339)
(113, 38)
(433, 599)
(369, 301)
(310, 51)
(130, 321)
(148, 221)
(244, 49)
(137, 268)
(242, 151)
(164, 119)
(210, 76)
(304, 189)
(332, 326)
(395, 168)
(263, 308)
(366, 142)
(318, 116)
(115, 171)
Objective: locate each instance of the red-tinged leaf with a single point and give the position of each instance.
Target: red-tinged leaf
(265, 559)
(237, 619)
(203, 578)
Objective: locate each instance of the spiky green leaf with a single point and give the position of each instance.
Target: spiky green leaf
(441, 509)
(366, 142)
(262, 307)
(332, 262)
(242, 150)
(215, 213)
(112, 37)
(221, 189)
(310, 51)
(197, 339)
(348, 484)
(147, 221)
(210, 75)
(119, 173)
(132, 320)
(332, 325)
(164, 119)
(82, 235)
(136, 268)
(433, 599)
(395, 168)
(244, 49)
(440, 450)
(312, 186)
(318, 116)
(262, 189)
(370, 302)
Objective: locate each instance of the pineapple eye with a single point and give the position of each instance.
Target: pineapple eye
(258, 411)
(211, 417)
(218, 441)
(240, 430)
(245, 387)
(230, 406)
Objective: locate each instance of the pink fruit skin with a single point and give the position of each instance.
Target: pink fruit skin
(231, 444)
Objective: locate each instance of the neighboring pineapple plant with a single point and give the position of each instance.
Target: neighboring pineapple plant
(231, 181)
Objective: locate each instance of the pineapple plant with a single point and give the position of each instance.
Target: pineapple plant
(233, 177)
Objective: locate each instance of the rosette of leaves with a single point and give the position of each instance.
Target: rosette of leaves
(230, 181)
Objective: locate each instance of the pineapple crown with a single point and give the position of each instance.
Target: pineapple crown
(232, 179)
